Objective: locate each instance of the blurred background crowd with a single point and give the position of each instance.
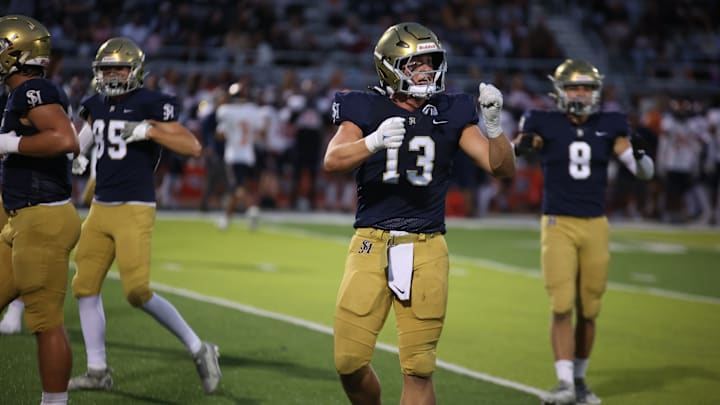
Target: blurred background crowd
(661, 62)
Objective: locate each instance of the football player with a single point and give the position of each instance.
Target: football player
(43, 225)
(240, 124)
(129, 125)
(400, 140)
(575, 144)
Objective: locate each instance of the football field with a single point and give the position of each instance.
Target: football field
(267, 299)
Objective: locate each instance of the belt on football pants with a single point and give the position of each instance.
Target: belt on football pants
(397, 239)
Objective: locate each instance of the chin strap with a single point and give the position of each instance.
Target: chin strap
(377, 89)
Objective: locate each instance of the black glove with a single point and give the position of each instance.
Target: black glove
(639, 146)
(525, 145)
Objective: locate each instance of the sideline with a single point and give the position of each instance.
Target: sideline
(455, 368)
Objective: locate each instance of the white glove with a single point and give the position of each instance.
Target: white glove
(491, 102)
(79, 164)
(135, 131)
(389, 135)
(9, 142)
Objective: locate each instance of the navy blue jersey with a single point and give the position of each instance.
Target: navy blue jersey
(404, 189)
(125, 171)
(29, 180)
(575, 159)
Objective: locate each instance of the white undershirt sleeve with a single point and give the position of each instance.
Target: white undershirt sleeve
(85, 138)
(643, 169)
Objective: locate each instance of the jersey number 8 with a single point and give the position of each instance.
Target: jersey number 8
(580, 155)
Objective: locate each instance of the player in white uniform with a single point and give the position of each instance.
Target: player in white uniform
(239, 121)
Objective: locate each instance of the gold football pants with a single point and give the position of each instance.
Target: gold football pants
(364, 301)
(575, 257)
(34, 258)
(115, 231)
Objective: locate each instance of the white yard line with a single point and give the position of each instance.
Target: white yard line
(535, 273)
(525, 271)
(455, 368)
(486, 264)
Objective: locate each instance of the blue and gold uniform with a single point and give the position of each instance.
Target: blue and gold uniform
(29, 180)
(130, 125)
(575, 157)
(43, 225)
(124, 190)
(125, 171)
(401, 141)
(402, 190)
(575, 161)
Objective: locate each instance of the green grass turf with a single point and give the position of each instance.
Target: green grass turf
(651, 349)
(666, 258)
(264, 361)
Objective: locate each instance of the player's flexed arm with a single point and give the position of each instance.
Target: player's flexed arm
(348, 149)
(171, 135)
(55, 136)
(494, 152)
(634, 158)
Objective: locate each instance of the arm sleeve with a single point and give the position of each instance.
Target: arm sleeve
(85, 138)
(643, 169)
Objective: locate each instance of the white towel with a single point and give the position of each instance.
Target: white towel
(400, 269)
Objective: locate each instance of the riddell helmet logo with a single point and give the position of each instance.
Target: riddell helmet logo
(424, 47)
(579, 77)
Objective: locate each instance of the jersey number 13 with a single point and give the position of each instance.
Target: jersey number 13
(425, 162)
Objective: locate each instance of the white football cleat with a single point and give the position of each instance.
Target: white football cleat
(584, 395)
(206, 362)
(561, 394)
(92, 380)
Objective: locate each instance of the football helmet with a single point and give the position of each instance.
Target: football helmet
(23, 42)
(397, 47)
(119, 52)
(576, 72)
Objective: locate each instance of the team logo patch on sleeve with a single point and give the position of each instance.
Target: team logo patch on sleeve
(335, 111)
(33, 98)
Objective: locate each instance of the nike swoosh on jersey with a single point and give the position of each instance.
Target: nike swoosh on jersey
(439, 122)
(600, 133)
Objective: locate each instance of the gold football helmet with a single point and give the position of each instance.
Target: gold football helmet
(397, 47)
(577, 73)
(119, 52)
(23, 42)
